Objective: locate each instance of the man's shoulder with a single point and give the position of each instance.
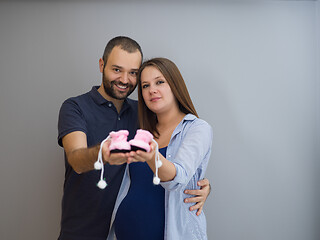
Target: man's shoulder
(78, 99)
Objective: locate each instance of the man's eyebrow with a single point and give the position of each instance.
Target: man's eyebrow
(117, 66)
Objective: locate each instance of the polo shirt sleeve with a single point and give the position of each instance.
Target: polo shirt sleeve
(70, 119)
(194, 148)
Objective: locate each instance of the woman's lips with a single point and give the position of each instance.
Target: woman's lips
(154, 99)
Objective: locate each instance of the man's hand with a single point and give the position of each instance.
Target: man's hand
(200, 195)
(112, 158)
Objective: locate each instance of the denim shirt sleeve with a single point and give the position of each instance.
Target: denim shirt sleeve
(195, 146)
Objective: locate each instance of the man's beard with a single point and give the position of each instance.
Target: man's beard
(109, 87)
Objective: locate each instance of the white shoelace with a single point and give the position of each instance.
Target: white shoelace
(99, 165)
(158, 163)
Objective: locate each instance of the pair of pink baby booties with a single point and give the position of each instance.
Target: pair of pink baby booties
(119, 143)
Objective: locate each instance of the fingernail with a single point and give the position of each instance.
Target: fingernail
(185, 191)
(186, 200)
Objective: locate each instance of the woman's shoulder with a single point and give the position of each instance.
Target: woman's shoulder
(195, 121)
(195, 126)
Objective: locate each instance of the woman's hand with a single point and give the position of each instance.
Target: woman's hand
(141, 156)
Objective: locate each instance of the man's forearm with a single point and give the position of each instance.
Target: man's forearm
(83, 159)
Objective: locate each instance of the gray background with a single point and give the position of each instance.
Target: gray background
(252, 69)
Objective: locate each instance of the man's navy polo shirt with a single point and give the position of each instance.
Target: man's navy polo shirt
(86, 209)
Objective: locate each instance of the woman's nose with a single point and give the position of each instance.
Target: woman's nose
(153, 89)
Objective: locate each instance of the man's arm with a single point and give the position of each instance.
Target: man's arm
(200, 195)
(81, 158)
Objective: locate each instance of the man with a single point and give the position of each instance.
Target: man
(84, 122)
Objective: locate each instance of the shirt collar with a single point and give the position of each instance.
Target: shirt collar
(97, 97)
(188, 117)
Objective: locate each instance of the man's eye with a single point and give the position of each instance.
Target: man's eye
(116, 70)
(134, 73)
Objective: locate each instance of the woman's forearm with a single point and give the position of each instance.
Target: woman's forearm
(166, 172)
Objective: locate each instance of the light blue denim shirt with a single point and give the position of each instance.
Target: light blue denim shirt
(189, 150)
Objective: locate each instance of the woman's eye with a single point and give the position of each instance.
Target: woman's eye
(145, 86)
(160, 82)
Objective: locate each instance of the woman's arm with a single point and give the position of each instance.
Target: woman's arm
(193, 149)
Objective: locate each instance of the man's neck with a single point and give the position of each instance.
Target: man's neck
(116, 102)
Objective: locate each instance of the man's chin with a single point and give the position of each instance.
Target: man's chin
(121, 96)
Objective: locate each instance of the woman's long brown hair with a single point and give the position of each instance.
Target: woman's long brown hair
(148, 119)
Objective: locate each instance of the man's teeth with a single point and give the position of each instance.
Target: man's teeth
(122, 87)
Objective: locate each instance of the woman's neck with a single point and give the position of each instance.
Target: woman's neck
(169, 120)
(166, 124)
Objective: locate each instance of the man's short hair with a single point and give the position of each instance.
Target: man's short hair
(125, 43)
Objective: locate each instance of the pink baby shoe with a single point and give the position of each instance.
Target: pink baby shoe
(119, 142)
(141, 141)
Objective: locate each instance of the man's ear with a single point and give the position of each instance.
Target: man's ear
(101, 65)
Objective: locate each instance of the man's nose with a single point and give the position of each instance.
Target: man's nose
(124, 77)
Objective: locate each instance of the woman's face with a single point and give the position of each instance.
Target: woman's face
(156, 91)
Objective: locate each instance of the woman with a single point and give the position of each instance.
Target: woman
(165, 110)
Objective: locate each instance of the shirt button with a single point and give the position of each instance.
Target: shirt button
(119, 118)
(169, 155)
(110, 105)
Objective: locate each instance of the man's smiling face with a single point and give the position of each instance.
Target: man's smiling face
(120, 73)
